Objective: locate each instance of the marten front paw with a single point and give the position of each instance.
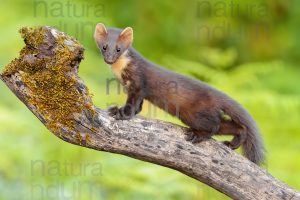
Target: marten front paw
(113, 111)
(125, 113)
(122, 113)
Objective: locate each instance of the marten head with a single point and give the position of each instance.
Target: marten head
(112, 42)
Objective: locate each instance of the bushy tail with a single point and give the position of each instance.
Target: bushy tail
(253, 148)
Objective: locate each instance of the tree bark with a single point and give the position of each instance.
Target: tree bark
(149, 140)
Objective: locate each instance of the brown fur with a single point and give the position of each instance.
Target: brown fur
(204, 109)
(196, 104)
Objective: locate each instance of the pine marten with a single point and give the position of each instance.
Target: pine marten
(204, 109)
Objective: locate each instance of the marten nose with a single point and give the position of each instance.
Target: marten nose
(109, 59)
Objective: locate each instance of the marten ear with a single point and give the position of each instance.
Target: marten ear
(100, 32)
(126, 36)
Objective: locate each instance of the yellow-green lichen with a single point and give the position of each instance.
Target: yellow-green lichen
(79, 138)
(88, 139)
(46, 73)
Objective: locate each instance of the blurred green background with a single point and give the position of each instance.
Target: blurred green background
(248, 49)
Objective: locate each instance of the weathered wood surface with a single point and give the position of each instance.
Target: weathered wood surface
(149, 140)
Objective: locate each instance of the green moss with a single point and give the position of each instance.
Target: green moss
(54, 90)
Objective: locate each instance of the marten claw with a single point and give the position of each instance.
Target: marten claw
(117, 113)
(197, 139)
(121, 117)
(194, 137)
(226, 143)
(189, 136)
(229, 145)
(113, 111)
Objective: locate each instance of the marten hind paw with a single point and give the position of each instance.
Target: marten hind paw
(194, 138)
(230, 145)
(198, 139)
(189, 136)
(226, 143)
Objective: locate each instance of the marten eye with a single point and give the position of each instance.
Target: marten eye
(118, 49)
(104, 47)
